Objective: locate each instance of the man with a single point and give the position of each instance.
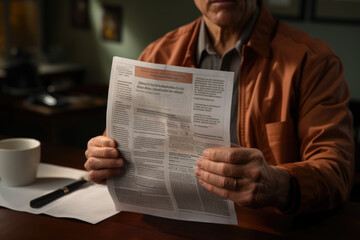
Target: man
(291, 128)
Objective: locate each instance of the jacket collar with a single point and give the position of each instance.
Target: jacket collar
(190, 56)
(263, 32)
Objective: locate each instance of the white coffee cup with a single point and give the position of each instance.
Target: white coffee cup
(19, 161)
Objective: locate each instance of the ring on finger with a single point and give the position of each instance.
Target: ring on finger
(235, 183)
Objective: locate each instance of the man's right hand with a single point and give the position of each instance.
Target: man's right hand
(103, 159)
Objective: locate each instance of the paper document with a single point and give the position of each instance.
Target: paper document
(92, 203)
(162, 118)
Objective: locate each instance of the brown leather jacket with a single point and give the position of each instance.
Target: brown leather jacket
(292, 106)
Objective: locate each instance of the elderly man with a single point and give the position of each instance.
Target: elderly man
(291, 128)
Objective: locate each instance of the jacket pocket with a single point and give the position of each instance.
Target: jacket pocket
(282, 141)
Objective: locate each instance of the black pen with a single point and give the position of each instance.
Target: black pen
(43, 200)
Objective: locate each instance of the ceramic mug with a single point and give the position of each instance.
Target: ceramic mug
(19, 161)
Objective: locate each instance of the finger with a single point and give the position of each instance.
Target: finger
(216, 180)
(222, 192)
(243, 185)
(238, 155)
(222, 168)
(100, 176)
(102, 141)
(103, 163)
(236, 184)
(242, 199)
(101, 152)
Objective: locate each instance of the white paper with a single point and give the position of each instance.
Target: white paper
(91, 203)
(162, 118)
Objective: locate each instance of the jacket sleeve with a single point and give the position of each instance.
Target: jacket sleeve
(323, 178)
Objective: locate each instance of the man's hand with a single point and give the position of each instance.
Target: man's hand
(102, 159)
(243, 176)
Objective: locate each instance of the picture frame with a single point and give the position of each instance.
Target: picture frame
(286, 9)
(80, 14)
(111, 23)
(345, 11)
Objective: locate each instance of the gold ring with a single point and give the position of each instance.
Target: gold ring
(235, 183)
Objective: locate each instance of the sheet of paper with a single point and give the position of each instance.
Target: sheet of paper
(162, 118)
(91, 203)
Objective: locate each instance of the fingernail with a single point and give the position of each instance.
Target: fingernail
(111, 144)
(90, 175)
(206, 153)
(198, 172)
(199, 163)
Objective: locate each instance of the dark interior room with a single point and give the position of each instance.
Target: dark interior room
(56, 59)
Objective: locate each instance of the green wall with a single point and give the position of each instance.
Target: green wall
(145, 21)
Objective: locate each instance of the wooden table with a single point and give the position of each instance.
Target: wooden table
(343, 223)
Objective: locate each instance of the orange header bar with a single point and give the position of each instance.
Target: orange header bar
(164, 75)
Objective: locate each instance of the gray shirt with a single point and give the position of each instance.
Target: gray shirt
(207, 58)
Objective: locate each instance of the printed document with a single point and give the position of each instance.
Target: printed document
(162, 118)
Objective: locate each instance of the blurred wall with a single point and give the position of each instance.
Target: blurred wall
(144, 21)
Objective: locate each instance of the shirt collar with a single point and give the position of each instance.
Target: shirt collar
(203, 40)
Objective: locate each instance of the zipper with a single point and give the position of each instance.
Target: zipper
(241, 105)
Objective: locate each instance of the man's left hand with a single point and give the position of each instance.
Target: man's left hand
(243, 176)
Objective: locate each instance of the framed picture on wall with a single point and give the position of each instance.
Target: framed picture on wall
(336, 10)
(80, 13)
(111, 23)
(286, 9)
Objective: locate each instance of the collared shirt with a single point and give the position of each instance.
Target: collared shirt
(207, 58)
